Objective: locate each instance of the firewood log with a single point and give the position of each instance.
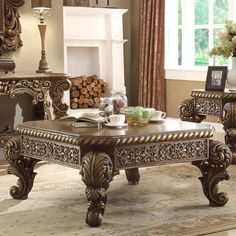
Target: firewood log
(96, 100)
(74, 105)
(84, 90)
(76, 100)
(75, 94)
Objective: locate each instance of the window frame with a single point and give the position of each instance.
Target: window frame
(187, 71)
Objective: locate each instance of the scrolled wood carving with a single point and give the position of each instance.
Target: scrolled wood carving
(20, 166)
(37, 89)
(10, 27)
(97, 173)
(186, 110)
(229, 122)
(213, 171)
(56, 93)
(229, 115)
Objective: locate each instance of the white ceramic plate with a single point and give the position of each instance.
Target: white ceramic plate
(115, 126)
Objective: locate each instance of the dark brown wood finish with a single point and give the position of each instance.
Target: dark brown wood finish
(101, 153)
(46, 90)
(10, 27)
(221, 104)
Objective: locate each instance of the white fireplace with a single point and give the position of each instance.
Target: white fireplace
(93, 44)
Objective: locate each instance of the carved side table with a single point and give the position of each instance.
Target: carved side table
(221, 104)
(46, 90)
(101, 153)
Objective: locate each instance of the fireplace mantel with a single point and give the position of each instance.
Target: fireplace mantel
(93, 43)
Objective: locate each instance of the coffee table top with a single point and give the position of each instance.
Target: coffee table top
(167, 130)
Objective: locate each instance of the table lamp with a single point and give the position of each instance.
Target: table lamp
(42, 7)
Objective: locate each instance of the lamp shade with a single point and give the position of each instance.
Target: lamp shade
(41, 4)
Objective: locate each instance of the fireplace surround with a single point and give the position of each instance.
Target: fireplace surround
(93, 44)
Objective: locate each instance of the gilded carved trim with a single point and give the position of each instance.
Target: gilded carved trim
(97, 173)
(52, 151)
(213, 171)
(172, 136)
(36, 88)
(5, 136)
(208, 106)
(213, 95)
(229, 115)
(154, 154)
(4, 87)
(229, 122)
(20, 166)
(187, 111)
(10, 26)
(56, 93)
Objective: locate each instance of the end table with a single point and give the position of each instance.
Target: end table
(221, 104)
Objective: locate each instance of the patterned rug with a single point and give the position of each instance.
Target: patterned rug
(168, 201)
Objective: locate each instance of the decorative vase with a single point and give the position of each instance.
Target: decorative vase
(119, 99)
(231, 77)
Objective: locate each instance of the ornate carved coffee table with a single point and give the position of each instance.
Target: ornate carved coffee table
(101, 153)
(221, 104)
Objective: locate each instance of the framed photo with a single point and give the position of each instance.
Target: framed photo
(216, 76)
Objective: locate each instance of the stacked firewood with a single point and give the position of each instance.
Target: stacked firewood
(86, 91)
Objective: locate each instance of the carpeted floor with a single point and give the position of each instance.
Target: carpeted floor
(168, 201)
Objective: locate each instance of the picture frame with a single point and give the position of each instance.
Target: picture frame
(216, 77)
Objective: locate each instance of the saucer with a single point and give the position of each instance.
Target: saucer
(116, 126)
(157, 120)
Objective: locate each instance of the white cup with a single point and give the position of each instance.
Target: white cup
(158, 115)
(118, 119)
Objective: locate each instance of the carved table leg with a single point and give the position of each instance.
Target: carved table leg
(186, 110)
(229, 123)
(213, 171)
(132, 176)
(97, 173)
(56, 94)
(20, 166)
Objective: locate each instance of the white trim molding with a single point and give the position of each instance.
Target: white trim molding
(186, 74)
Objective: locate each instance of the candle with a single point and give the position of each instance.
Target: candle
(108, 3)
(96, 2)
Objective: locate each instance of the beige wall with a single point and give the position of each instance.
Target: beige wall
(28, 56)
(176, 92)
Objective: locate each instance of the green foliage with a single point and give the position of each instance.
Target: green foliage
(201, 46)
(180, 12)
(220, 11)
(201, 12)
(227, 41)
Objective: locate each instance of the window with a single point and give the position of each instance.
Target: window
(190, 31)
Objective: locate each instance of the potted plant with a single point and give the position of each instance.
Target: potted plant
(226, 47)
